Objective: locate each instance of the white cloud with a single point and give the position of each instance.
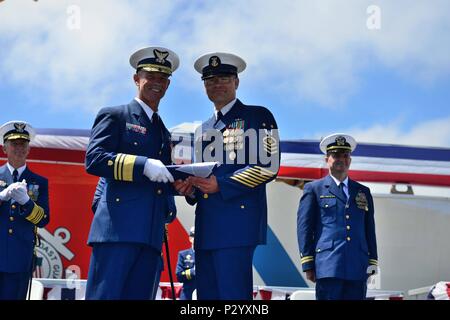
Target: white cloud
(78, 68)
(309, 50)
(434, 133)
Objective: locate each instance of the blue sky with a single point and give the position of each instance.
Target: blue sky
(316, 64)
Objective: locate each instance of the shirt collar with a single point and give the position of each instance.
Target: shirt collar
(19, 170)
(345, 182)
(146, 108)
(226, 108)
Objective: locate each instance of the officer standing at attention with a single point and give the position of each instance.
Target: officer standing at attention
(231, 212)
(23, 208)
(129, 147)
(186, 268)
(336, 227)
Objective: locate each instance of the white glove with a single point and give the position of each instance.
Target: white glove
(5, 195)
(20, 193)
(156, 171)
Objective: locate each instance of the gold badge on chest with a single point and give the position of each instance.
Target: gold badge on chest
(361, 201)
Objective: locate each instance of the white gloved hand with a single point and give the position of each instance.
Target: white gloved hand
(156, 171)
(5, 195)
(20, 193)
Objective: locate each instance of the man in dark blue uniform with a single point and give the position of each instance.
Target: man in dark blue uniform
(129, 147)
(186, 268)
(170, 217)
(231, 212)
(336, 227)
(23, 208)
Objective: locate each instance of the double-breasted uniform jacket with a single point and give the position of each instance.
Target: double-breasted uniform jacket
(185, 271)
(171, 206)
(237, 215)
(131, 208)
(18, 223)
(336, 237)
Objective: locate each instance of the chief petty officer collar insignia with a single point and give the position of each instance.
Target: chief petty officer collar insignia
(160, 56)
(214, 61)
(20, 127)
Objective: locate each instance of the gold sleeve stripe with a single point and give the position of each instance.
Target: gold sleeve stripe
(123, 167)
(254, 173)
(120, 167)
(117, 165)
(373, 262)
(128, 165)
(36, 214)
(251, 177)
(257, 172)
(265, 171)
(241, 178)
(188, 274)
(307, 259)
(248, 179)
(243, 182)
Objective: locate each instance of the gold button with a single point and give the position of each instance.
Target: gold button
(13, 206)
(347, 217)
(263, 124)
(205, 196)
(160, 152)
(326, 206)
(348, 227)
(159, 191)
(10, 231)
(271, 126)
(110, 162)
(135, 143)
(242, 207)
(45, 216)
(348, 239)
(11, 218)
(170, 214)
(318, 250)
(117, 199)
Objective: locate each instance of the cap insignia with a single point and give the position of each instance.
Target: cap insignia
(340, 141)
(214, 61)
(20, 127)
(160, 56)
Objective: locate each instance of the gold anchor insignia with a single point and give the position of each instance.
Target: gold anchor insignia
(214, 61)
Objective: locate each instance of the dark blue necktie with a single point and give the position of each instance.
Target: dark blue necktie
(219, 117)
(341, 187)
(155, 118)
(15, 175)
